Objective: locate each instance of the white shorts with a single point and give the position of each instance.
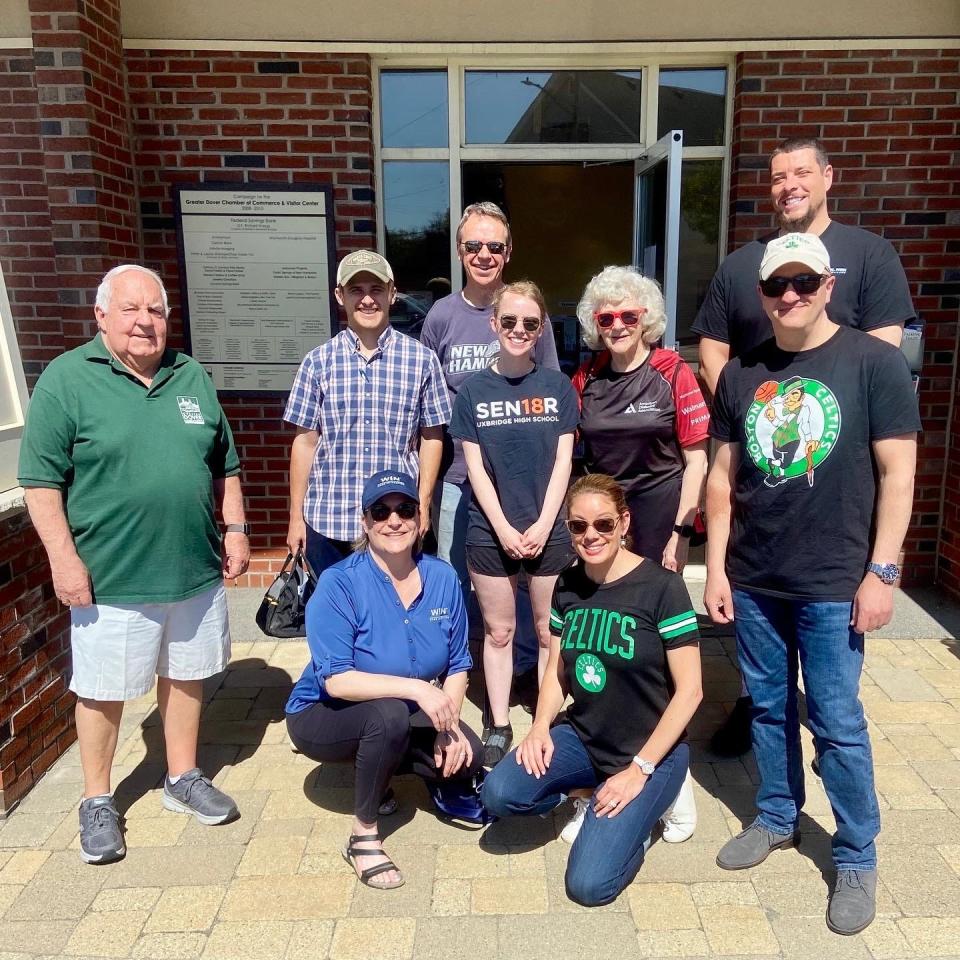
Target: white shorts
(119, 651)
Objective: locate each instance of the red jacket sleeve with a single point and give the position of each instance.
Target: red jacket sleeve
(584, 371)
(692, 417)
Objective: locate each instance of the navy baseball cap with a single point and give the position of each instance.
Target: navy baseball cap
(388, 481)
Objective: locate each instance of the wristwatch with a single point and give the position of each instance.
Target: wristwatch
(686, 530)
(645, 765)
(243, 528)
(889, 573)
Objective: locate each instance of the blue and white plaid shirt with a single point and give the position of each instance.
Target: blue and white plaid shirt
(368, 414)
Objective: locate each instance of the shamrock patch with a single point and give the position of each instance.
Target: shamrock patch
(591, 674)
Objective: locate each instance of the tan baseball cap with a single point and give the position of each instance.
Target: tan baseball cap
(363, 261)
(802, 248)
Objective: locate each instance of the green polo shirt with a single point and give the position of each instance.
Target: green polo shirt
(136, 466)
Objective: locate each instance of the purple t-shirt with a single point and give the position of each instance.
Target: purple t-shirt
(461, 337)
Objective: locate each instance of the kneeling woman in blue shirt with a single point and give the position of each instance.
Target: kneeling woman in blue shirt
(387, 633)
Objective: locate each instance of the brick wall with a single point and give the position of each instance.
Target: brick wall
(36, 710)
(249, 117)
(889, 120)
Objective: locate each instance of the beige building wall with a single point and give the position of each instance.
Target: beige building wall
(561, 21)
(594, 21)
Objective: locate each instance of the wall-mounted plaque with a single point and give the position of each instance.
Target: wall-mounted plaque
(256, 279)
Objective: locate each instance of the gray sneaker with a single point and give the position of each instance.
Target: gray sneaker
(853, 904)
(194, 793)
(101, 835)
(753, 846)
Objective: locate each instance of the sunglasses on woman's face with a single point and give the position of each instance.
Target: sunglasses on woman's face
(530, 324)
(406, 510)
(495, 247)
(603, 525)
(629, 318)
(804, 283)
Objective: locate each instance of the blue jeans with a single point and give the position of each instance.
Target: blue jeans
(776, 637)
(451, 504)
(607, 853)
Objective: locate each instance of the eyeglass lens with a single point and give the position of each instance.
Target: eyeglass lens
(475, 246)
(629, 318)
(604, 525)
(803, 283)
(405, 511)
(530, 324)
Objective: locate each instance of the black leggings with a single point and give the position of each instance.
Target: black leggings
(383, 738)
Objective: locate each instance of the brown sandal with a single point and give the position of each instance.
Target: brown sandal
(351, 852)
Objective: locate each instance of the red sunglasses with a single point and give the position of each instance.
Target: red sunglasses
(629, 318)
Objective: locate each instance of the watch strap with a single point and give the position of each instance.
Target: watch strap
(646, 766)
(237, 528)
(686, 530)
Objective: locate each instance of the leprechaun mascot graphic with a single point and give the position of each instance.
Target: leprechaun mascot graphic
(791, 427)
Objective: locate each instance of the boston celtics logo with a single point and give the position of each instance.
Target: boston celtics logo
(590, 672)
(791, 428)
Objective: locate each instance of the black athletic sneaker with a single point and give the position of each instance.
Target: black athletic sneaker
(496, 743)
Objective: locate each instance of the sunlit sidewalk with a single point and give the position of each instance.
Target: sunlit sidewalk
(273, 884)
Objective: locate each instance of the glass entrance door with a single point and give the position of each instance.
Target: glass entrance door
(569, 220)
(656, 240)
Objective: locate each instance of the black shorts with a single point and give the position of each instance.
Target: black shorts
(492, 561)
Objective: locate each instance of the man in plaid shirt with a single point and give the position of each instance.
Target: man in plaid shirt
(362, 402)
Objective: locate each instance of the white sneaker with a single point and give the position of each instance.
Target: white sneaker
(680, 820)
(580, 806)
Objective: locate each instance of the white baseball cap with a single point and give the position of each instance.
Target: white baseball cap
(802, 248)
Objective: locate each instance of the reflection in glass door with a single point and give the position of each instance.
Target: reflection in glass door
(568, 219)
(656, 245)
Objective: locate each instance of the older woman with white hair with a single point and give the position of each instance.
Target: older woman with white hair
(643, 421)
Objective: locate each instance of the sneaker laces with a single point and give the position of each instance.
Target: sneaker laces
(102, 817)
(199, 782)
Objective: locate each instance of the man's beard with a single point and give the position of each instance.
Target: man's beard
(798, 226)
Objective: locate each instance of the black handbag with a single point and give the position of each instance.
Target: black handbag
(281, 612)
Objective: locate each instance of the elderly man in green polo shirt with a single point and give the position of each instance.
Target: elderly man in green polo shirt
(126, 456)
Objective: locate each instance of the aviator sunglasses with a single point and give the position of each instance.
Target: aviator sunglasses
(803, 283)
(629, 318)
(495, 247)
(508, 321)
(603, 525)
(406, 510)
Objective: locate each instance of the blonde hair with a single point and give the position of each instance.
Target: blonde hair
(521, 288)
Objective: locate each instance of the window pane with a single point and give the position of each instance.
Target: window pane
(700, 193)
(413, 108)
(558, 106)
(416, 205)
(693, 101)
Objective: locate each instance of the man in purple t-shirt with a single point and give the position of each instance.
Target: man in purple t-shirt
(457, 329)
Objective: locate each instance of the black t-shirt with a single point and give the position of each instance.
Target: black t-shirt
(633, 426)
(517, 422)
(871, 289)
(805, 488)
(614, 639)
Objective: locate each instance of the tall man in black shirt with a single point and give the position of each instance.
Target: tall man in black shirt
(817, 448)
(870, 293)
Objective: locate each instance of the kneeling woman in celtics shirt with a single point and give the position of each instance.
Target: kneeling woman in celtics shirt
(626, 648)
(516, 420)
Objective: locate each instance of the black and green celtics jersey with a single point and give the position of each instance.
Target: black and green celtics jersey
(614, 639)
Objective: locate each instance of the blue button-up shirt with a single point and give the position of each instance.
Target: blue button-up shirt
(355, 621)
(368, 412)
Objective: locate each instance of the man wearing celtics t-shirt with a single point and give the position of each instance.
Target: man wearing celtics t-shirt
(870, 293)
(805, 532)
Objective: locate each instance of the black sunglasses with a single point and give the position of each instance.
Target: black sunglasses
(405, 510)
(603, 525)
(803, 283)
(530, 324)
(494, 246)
